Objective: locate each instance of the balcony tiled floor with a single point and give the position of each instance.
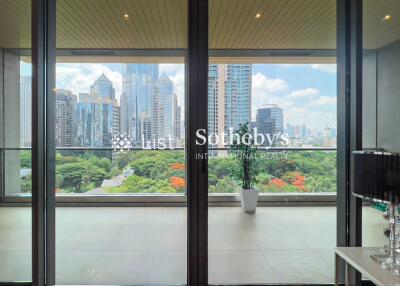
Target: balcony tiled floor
(148, 245)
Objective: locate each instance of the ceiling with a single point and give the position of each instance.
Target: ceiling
(162, 24)
(377, 33)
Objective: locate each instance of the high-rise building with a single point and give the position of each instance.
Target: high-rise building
(103, 87)
(65, 118)
(215, 98)
(289, 130)
(138, 85)
(97, 115)
(229, 96)
(124, 118)
(25, 111)
(270, 119)
(177, 133)
(164, 109)
(116, 118)
(238, 85)
(303, 131)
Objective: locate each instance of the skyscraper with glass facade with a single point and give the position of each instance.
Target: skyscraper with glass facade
(103, 87)
(94, 114)
(65, 120)
(164, 109)
(138, 86)
(270, 119)
(237, 94)
(229, 96)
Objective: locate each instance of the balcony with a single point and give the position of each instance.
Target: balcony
(290, 239)
(139, 245)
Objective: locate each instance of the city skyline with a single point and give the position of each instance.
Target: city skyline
(262, 89)
(307, 92)
(149, 111)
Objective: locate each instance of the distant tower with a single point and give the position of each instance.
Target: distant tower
(229, 96)
(97, 115)
(103, 87)
(123, 115)
(26, 111)
(138, 85)
(270, 119)
(65, 118)
(167, 107)
(116, 119)
(177, 133)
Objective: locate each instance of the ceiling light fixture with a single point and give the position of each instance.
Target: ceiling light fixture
(258, 16)
(387, 18)
(126, 17)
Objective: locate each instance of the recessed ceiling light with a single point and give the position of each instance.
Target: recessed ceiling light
(126, 17)
(257, 16)
(387, 18)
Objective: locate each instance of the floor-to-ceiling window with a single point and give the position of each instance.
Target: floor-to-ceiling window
(119, 135)
(15, 139)
(272, 127)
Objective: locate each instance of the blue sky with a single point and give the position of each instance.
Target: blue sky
(306, 92)
(300, 76)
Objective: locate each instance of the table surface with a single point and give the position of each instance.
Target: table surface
(359, 258)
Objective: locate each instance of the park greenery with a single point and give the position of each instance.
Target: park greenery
(163, 171)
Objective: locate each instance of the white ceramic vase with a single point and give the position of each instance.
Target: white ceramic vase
(249, 198)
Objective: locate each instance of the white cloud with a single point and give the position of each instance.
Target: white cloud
(324, 101)
(262, 83)
(79, 77)
(265, 90)
(302, 106)
(178, 78)
(329, 68)
(304, 93)
(170, 68)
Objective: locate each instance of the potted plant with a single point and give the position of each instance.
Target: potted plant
(244, 150)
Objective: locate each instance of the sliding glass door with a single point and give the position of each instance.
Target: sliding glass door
(272, 141)
(15, 141)
(119, 137)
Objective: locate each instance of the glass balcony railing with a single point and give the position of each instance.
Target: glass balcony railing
(103, 171)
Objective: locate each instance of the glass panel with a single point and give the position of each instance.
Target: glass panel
(272, 139)
(381, 66)
(15, 140)
(119, 137)
(18, 177)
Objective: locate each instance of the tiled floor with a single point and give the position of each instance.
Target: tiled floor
(148, 245)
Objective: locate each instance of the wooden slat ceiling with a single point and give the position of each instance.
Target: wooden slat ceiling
(100, 24)
(284, 24)
(15, 24)
(162, 24)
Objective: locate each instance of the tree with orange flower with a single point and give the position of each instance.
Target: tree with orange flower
(178, 183)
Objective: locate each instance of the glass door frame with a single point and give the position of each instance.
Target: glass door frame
(43, 141)
(349, 117)
(43, 127)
